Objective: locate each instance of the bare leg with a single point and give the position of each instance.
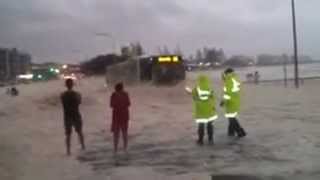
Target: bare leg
(115, 142)
(68, 144)
(81, 140)
(125, 140)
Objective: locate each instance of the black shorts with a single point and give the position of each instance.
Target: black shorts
(75, 123)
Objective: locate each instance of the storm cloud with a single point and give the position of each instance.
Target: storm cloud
(64, 30)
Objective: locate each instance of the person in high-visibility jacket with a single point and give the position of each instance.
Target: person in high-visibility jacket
(231, 102)
(204, 108)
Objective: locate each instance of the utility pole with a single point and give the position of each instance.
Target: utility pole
(296, 64)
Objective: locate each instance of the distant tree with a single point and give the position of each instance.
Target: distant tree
(199, 56)
(205, 52)
(265, 59)
(239, 61)
(269, 59)
(285, 58)
(178, 51)
(165, 50)
(211, 55)
(133, 49)
(191, 58)
(139, 49)
(305, 59)
(125, 51)
(97, 65)
(159, 50)
(221, 57)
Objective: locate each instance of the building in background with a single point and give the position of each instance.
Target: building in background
(3, 64)
(13, 63)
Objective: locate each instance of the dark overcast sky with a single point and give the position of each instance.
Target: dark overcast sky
(64, 30)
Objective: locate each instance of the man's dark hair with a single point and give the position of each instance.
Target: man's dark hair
(228, 70)
(118, 87)
(69, 83)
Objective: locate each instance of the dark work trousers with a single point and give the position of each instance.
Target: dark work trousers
(201, 130)
(235, 128)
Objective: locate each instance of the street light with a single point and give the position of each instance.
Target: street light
(108, 35)
(295, 45)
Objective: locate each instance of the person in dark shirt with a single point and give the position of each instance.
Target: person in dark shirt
(120, 103)
(72, 117)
